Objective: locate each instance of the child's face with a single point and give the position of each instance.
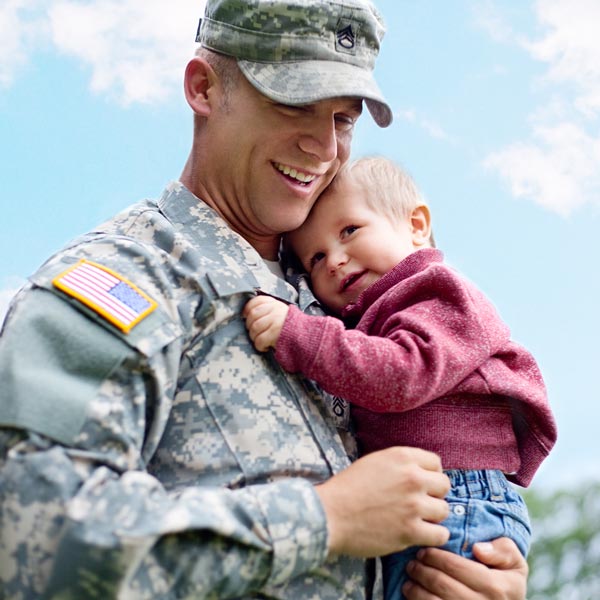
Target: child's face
(346, 246)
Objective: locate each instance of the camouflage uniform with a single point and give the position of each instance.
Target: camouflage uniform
(172, 461)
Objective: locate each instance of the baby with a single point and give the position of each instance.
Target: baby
(419, 352)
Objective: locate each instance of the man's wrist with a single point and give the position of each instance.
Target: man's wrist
(297, 526)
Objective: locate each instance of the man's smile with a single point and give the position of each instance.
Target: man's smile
(299, 176)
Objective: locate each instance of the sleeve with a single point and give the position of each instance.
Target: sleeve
(81, 517)
(422, 350)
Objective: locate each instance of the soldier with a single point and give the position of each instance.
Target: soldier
(146, 450)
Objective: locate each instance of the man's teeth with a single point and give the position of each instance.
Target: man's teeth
(298, 175)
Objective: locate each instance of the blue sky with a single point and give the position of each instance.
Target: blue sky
(496, 104)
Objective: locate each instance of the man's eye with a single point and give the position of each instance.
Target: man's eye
(316, 258)
(344, 123)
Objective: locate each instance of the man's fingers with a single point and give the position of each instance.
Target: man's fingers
(453, 565)
(430, 534)
(427, 583)
(437, 510)
(425, 459)
(439, 488)
(500, 554)
(441, 575)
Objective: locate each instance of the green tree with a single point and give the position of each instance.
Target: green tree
(564, 560)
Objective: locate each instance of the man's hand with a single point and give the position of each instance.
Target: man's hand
(385, 502)
(264, 319)
(440, 575)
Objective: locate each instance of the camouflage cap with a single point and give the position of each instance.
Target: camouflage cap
(301, 51)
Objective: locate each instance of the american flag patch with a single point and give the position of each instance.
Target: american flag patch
(119, 301)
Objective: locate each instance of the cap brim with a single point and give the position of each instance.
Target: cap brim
(308, 81)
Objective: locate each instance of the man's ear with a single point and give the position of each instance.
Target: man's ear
(199, 79)
(420, 225)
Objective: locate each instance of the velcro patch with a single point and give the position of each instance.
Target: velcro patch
(107, 293)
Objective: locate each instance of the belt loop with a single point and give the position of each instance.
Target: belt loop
(496, 483)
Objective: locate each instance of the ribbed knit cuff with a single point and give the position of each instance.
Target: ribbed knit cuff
(299, 341)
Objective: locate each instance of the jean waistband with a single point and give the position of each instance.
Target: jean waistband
(485, 484)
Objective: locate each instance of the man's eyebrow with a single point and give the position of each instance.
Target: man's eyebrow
(359, 105)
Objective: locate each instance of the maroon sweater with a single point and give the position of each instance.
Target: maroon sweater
(429, 364)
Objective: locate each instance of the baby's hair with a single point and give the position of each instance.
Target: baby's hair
(389, 189)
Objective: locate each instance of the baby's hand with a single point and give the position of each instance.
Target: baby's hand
(264, 319)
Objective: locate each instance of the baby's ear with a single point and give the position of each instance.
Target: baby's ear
(420, 225)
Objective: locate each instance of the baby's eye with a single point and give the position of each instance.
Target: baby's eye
(316, 258)
(349, 230)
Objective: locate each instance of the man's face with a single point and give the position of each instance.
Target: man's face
(346, 246)
(269, 162)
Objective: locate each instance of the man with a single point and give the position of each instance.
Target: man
(146, 451)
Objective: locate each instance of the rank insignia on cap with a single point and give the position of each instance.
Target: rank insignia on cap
(109, 294)
(345, 36)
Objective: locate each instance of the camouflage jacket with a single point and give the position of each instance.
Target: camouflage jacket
(171, 461)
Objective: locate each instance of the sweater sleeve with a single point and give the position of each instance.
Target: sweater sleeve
(419, 352)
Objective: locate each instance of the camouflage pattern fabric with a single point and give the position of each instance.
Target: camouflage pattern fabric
(173, 461)
(275, 31)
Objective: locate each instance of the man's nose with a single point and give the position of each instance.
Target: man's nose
(320, 139)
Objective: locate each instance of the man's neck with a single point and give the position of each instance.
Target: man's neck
(267, 246)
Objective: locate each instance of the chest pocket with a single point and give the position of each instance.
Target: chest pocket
(235, 414)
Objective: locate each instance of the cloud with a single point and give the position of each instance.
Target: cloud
(433, 129)
(488, 17)
(12, 51)
(557, 169)
(21, 27)
(571, 48)
(135, 49)
(557, 166)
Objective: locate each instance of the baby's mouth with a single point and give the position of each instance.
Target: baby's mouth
(350, 280)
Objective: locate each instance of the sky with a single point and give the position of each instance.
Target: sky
(496, 116)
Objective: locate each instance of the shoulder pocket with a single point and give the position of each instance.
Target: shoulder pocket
(56, 352)
(53, 360)
(150, 333)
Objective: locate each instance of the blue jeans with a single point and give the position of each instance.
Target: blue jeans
(483, 506)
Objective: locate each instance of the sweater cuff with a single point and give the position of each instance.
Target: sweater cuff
(297, 527)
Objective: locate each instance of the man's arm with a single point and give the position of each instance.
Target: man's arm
(86, 514)
(78, 509)
(70, 525)
(82, 526)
